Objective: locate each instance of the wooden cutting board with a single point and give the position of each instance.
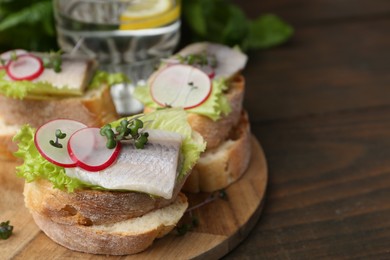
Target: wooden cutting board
(222, 223)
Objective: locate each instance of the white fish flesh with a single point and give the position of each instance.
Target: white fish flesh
(75, 74)
(151, 170)
(229, 60)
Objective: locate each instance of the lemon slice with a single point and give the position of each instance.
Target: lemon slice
(144, 14)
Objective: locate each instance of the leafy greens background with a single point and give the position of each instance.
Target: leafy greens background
(29, 24)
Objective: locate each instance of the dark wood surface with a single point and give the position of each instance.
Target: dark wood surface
(320, 106)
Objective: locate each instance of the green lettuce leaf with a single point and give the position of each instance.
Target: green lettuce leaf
(103, 77)
(175, 120)
(214, 107)
(35, 167)
(21, 89)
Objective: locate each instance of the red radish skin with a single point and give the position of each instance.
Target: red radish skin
(168, 85)
(87, 148)
(46, 132)
(6, 56)
(25, 67)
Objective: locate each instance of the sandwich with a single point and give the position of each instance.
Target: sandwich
(205, 79)
(110, 190)
(38, 87)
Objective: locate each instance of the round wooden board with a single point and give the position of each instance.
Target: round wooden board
(223, 224)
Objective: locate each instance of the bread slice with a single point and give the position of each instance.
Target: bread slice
(129, 236)
(219, 167)
(91, 207)
(95, 108)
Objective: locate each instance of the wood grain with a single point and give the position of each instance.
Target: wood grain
(313, 12)
(222, 224)
(325, 69)
(329, 188)
(320, 105)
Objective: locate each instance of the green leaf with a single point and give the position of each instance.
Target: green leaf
(27, 25)
(236, 27)
(36, 13)
(223, 22)
(5, 230)
(192, 10)
(103, 77)
(267, 31)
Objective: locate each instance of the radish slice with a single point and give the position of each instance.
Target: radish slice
(180, 86)
(46, 132)
(25, 67)
(7, 56)
(88, 150)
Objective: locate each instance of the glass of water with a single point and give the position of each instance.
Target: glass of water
(127, 36)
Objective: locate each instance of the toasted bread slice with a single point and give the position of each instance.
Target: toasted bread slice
(91, 207)
(129, 236)
(219, 167)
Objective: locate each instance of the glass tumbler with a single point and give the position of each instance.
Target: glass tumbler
(127, 36)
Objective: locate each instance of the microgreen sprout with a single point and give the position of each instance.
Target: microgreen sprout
(13, 57)
(126, 130)
(200, 59)
(184, 228)
(59, 135)
(5, 230)
(53, 60)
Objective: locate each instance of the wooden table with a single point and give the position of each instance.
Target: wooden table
(320, 106)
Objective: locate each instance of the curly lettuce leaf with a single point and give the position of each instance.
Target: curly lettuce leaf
(35, 167)
(175, 120)
(19, 89)
(214, 107)
(104, 78)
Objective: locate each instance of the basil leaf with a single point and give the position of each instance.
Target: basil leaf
(223, 22)
(267, 31)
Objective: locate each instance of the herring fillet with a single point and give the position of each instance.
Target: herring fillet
(229, 60)
(75, 74)
(151, 170)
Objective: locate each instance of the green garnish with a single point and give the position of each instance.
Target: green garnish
(5, 230)
(59, 135)
(224, 22)
(13, 57)
(184, 228)
(53, 60)
(202, 59)
(126, 130)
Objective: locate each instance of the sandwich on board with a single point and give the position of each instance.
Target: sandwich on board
(109, 190)
(205, 79)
